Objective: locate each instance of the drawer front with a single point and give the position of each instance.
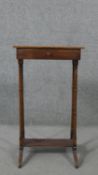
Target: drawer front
(48, 54)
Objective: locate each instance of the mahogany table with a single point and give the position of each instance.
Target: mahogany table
(48, 53)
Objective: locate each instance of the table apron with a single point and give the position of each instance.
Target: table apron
(49, 54)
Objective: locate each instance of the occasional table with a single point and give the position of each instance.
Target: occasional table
(48, 53)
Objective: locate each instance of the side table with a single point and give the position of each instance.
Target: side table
(48, 53)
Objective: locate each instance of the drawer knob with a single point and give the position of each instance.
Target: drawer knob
(48, 53)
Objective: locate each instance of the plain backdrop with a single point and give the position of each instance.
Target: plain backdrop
(48, 83)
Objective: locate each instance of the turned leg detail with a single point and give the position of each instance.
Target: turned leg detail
(74, 112)
(21, 112)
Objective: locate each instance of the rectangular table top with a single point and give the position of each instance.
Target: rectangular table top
(49, 52)
(47, 47)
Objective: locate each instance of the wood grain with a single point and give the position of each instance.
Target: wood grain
(47, 142)
(48, 54)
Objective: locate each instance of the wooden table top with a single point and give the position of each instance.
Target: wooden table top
(47, 47)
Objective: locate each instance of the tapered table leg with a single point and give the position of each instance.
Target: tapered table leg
(75, 156)
(20, 157)
(21, 112)
(74, 112)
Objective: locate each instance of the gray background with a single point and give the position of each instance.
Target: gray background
(47, 84)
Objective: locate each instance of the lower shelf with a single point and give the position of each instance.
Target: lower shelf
(28, 142)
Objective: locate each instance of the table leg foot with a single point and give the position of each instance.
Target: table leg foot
(20, 157)
(76, 160)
